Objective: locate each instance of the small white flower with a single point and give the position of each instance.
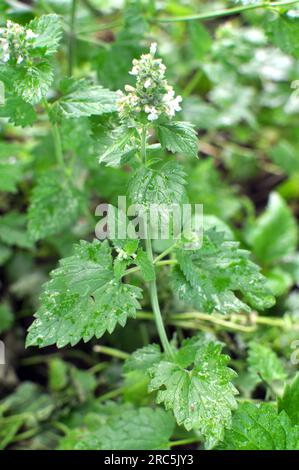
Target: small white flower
(30, 34)
(129, 88)
(162, 68)
(122, 255)
(134, 70)
(153, 48)
(134, 100)
(20, 59)
(151, 93)
(174, 106)
(4, 44)
(6, 57)
(153, 115)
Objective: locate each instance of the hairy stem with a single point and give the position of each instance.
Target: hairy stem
(155, 305)
(152, 285)
(226, 12)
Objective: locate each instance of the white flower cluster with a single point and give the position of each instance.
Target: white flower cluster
(151, 96)
(15, 41)
(123, 255)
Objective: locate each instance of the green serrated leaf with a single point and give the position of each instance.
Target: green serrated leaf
(82, 98)
(259, 427)
(140, 429)
(49, 33)
(163, 185)
(179, 137)
(196, 386)
(289, 402)
(55, 204)
(32, 83)
(282, 31)
(211, 277)
(116, 147)
(83, 299)
(17, 111)
(146, 266)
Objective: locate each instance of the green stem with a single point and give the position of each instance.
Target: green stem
(143, 144)
(73, 353)
(166, 262)
(164, 253)
(189, 320)
(109, 395)
(183, 442)
(196, 325)
(152, 285)
(98, 368)
(56, 137)
(226, 12)
(61, 427)
(111, 352)
(155, 305)
(72, 38)
(25, 435)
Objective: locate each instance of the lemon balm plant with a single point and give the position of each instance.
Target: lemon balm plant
(93, 291)
(85, 127)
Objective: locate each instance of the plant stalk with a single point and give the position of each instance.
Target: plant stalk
(183, 442)
(152, 285)
(111, 352)
(155, 304)
(226, 12)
